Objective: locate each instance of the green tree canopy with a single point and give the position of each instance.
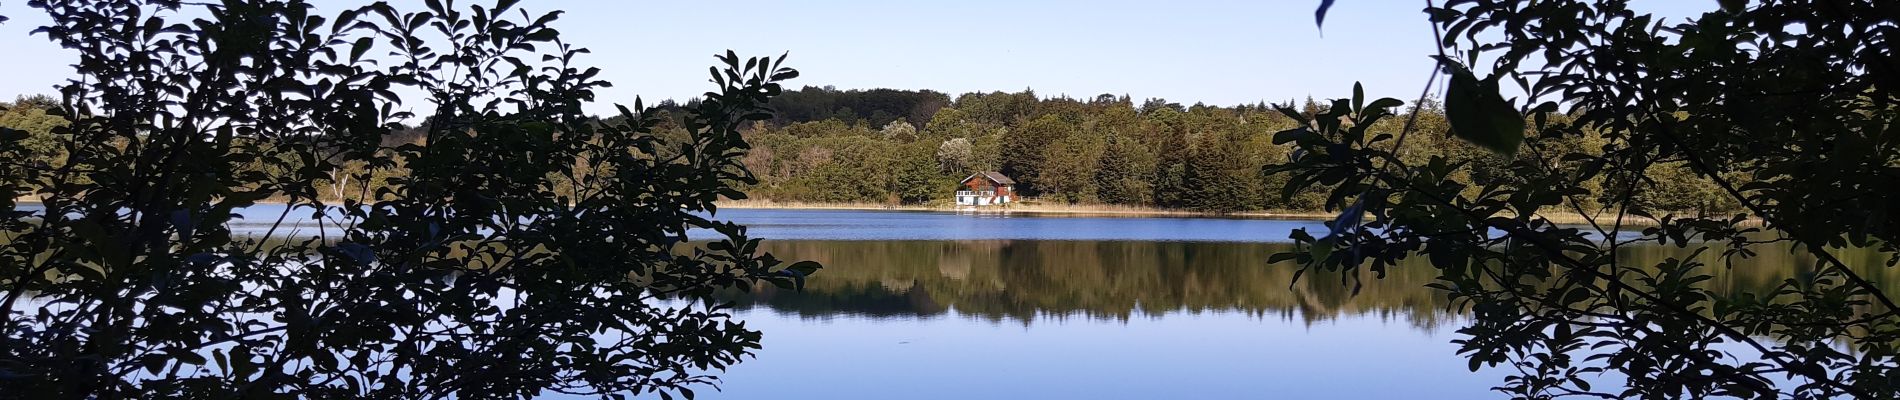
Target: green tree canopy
(514, 248)
(1783, 108)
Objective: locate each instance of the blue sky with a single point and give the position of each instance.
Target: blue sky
(1218, 52)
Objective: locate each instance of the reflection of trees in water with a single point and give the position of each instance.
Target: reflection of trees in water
(1026, 280)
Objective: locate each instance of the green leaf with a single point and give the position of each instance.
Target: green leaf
(1384, 103)
(1478, 114)
(504, 5)
(805, 267)
(361, 46)
(1322, 249)
(1300, 135)
(344, 19)
(541, 35)
(1358, 98)
(1319, 16)
(1292, 113)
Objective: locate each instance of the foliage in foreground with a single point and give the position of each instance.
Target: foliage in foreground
(1787, 106)
(467, 274)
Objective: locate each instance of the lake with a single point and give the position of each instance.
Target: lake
(961, 306)
(941, 305)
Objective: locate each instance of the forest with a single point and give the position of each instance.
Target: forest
(900, 147)
(912, 147)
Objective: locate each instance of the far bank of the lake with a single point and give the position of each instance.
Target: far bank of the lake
(1088, 210)
(1028, 208)
(1097, 210)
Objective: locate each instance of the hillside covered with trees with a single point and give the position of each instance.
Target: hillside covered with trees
(911, 147)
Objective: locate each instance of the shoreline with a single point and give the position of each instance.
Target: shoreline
(1560, 218)
(1564, 218)
(1096, 210)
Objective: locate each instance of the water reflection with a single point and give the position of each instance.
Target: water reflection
(1027, 280)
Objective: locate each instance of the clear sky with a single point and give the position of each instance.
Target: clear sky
(1221, 52)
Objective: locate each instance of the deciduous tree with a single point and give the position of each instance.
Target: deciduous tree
(1786, 108)
(470, 274)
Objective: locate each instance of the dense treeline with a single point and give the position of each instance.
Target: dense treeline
(32, 115)
(911, 147)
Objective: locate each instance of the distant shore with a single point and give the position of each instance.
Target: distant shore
(1562, 218)
(1565, 218)
(1076, 209)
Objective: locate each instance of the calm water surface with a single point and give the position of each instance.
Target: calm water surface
(922, 305)
(915, 225)
(962, 306)
(949, 306)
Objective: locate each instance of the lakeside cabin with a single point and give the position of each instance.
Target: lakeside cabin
(986, 188)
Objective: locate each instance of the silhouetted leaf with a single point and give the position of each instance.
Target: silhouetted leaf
(1478, 114)
(1319, 15)
(361, 46)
